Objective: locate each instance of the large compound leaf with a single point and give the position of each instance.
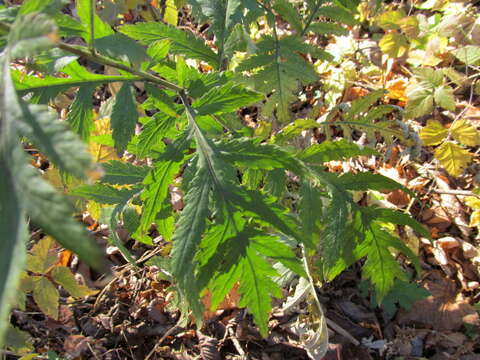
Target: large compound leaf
(181, 42)
(80, 115)
(333, 150)
(100, 29)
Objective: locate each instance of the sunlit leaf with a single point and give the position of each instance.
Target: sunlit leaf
(453, 157)
(434, 133)
(465, 133)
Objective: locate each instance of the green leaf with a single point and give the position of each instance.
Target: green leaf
(255, 155)
(469, 55)
(48, 87)
(101, 29)
(31, 34)
(325, 28)
(289, 13)
(159, 127)
(121, 47)
(186, 238)
(337, 235)
(181, 42)
(46, 296)
(80, 115)
(104, 194)
(158, 180)
(381, 267)
(443, 96)
(64, 276)
(337, 14)
(124, 117)
(257, 287)
(405, 294)
(52, 137)
(318, 154)
(369, 181)
(123, 173)
(363, 103)
(399, 218)
(310, 211)
(41, 259)
(225, 99)
(222, 16)
(13, 232)
(420, 102)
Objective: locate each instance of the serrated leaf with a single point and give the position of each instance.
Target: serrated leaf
(405, 294)
(389, 20)
(469, 54)
(420, 102)
(443, 96)
(123, 173)
(318, 154)
(381, 267)
(80, 115)
(159, 127)
(254, 155)
(367, 180)
(181, 42)
(399, 218)
(434, 133)
(64, 276)
(157, 182)
(40, 259)
(310, 211)
(124, 117)
(257, 287)
(465, 133)
(121, 47)
(363, 103)
(46, 296)
(104, 194)
(222, 16)
(31, 34)
(453, 157)
(325, 28)
(46, 88)
(393, 44)
(289, 14)
(100, 28)
(225, 99)
(338, 14)
(47, 208)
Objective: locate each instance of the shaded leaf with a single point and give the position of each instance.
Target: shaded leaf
(46, 296)
(124, 117)
(64, 276)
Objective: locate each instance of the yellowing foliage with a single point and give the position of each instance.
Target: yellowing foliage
(453, 157)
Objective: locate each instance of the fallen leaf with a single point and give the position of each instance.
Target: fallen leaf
(444, 309)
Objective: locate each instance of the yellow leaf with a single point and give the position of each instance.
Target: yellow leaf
(453, 158)
(396, 89)
(100, 152)
(171, 13)
(393, 44)
(434, 133)
(473, 202)
(40, 259)
(46, 296)
(475, 218)
(465, 133)
(63, 276)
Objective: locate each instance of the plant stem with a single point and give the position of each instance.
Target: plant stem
(103, 60)
(93, 4)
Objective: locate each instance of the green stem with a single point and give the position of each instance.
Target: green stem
(103, 60)
(311, 17)
(92, 26)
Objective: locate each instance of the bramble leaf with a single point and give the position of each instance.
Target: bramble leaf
(453, 157)
(434, 133)
(64, 276)
(46, 296)
(465, 133)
